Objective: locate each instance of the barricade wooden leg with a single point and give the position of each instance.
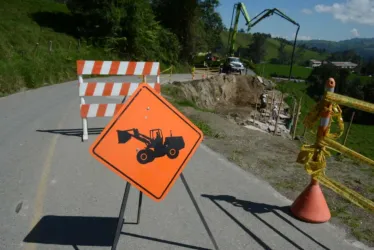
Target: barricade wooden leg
(85, 129)
(84, 124)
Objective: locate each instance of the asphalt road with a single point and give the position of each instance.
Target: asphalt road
(54, 195)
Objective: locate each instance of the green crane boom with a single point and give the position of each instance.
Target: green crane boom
(269, 12)
(240, 8)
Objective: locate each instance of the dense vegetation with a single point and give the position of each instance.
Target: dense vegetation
(170, 32)
(353, 87)
(162, 30)
(25, 58)
(42, 39)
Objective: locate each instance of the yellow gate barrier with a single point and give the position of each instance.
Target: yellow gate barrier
(170, 69)
(314, 156)
(204, 72)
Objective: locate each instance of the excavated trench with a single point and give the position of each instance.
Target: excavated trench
(233, 96)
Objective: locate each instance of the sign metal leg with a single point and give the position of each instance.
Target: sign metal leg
(123, 208)
(121, 216)
(199, 212)
(139, 206)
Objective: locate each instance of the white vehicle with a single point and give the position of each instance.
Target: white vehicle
(233, 64)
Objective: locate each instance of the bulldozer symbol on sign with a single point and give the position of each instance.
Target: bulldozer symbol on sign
(156, 144)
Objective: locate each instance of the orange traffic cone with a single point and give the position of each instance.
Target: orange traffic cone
(311, 205)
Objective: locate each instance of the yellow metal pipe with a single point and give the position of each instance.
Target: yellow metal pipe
(349, 102)
(347, 151)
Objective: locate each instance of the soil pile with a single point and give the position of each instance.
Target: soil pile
(222, 91)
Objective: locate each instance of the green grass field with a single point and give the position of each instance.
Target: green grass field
(360, 138)
(267, 70)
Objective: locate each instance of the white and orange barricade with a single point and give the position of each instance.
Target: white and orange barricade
(111, 89)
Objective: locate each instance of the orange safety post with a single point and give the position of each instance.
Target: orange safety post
(311, 205)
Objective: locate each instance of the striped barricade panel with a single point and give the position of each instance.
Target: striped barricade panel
(100, 110)
(117, 68)
(107, 89)
(111, 89)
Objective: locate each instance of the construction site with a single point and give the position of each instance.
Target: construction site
(249, 101)
(239, 114)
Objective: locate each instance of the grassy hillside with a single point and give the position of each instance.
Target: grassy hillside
(27, 27)
(26, 64)
(272, 45)
(363, 46)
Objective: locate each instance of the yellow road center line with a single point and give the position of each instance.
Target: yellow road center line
(42, 187)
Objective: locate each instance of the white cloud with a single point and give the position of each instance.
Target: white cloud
(355, 33)
(300, 37)
(304, 38)
(307, 11)
(292, 37)
(279, 36)
(358, 11)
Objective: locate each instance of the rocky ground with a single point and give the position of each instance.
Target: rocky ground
(224, 108)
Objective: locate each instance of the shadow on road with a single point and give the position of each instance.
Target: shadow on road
(72, 132)
(73, 230)
(164, 241)
(83, 231)
(259, 208)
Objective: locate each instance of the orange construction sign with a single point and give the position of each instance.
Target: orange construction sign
(148, 142)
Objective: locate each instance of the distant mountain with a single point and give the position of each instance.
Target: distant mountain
(363, 46)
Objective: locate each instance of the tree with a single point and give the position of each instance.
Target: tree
(362, 91)
(211, 22)
(125, 26)
(318, 77)
(299, 54)
(368, 67)
(342, 81)
(347, 55)
(257, 48)
(283, 55)
(181, 18)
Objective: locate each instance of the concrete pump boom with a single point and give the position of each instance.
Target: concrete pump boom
(269, 12)
(240, 8)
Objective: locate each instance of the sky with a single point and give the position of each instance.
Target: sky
(333, 20)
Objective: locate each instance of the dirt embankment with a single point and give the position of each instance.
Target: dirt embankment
(237, 97)
(222, 91)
